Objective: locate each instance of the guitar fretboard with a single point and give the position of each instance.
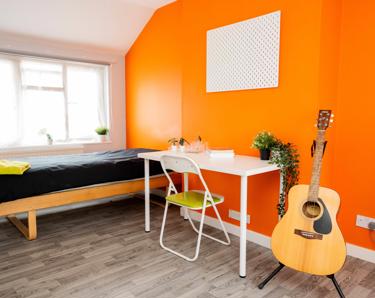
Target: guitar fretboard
(317, 167)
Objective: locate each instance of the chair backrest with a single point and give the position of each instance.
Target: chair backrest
(180, 164)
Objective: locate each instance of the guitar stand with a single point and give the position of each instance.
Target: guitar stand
(337, 286)
(281, 266)
(274, 272)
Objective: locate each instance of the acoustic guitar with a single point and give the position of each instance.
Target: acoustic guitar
(308, 238)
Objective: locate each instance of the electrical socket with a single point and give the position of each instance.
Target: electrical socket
(364, 222)
(237, 215)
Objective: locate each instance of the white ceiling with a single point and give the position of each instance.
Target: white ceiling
(108, 24)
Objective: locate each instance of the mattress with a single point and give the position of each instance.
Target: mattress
(63, 172)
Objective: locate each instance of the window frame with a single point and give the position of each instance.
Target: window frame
(65, 62)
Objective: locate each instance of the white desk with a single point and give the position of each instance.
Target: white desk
(243, 166)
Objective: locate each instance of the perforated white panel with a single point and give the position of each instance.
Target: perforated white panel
(244, 55)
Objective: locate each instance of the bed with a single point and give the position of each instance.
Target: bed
(55, 181)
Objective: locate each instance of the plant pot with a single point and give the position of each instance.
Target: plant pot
(182, 148)
(173, 148)
(50, 142)
(265, 154)
(104, 138)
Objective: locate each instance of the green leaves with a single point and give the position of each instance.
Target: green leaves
(264, 140)
(286, 157)
(173, 141)
(49, 137)
(182, 141)
(283, 155)
(102, 131)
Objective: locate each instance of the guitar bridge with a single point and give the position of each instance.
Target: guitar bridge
(308, 235)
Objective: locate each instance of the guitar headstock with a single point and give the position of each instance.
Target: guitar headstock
(324, 119)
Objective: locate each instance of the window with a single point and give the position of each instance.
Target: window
(65, 99)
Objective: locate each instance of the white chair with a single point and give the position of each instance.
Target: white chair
(194, 200)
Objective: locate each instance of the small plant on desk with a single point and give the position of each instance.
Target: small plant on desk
(182, 142)
(173, 142)
(264, 141)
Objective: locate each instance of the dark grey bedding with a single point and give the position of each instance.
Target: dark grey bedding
(56, 173)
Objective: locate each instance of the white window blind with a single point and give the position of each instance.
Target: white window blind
(66, 99)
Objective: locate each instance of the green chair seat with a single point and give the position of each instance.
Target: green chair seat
(191, 199)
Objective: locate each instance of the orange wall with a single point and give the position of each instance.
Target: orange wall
(354, 163)
(153, 82)
(233, 118)
(310, 32)
(329, 72)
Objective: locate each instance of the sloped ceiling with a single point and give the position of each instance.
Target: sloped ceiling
(108, 24)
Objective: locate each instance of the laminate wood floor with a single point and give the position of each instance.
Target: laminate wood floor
(102, 251)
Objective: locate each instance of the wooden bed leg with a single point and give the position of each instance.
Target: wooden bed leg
(30, 232)
(31, 222)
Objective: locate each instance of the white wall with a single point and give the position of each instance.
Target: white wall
(42, 47)
(110, 24)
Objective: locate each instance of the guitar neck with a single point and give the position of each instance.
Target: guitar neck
(313, 194)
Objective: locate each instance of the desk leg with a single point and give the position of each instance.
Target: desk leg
(243, 226)
(147, 195)
(186, 188)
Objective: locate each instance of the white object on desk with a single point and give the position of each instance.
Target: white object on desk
(220, 153)
(239, 165)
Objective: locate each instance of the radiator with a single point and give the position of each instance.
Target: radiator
(41, 151)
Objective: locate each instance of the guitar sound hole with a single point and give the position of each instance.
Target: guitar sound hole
(311, 209)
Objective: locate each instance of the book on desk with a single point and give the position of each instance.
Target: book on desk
(220, 152)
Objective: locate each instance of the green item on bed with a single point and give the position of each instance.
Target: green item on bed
(10, 167)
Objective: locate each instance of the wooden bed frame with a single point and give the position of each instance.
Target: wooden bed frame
(71, 196)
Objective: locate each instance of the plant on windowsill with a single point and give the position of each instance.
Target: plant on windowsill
(286, 157)
(103, 133)
(264, 141)
(173, 142)
(44, 132)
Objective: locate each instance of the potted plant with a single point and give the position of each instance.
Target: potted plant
(182, 142)
(264, 141)
(103, 133)
(44, 132)
(286, 157)
(173, 142)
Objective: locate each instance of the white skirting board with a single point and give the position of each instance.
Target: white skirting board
(265, 241)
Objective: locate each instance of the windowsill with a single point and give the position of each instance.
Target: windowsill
(53, 147)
